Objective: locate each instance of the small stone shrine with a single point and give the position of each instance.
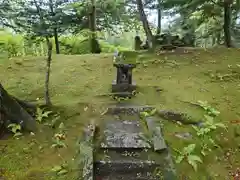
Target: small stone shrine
(123, 83)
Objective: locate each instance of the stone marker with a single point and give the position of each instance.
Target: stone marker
(123, 82)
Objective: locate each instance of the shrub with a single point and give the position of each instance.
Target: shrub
(18, 45)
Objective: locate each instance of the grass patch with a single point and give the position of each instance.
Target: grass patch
(165, 81)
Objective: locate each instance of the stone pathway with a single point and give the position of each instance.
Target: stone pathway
(129, 148)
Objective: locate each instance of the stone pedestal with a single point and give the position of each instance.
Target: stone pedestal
(123, 87)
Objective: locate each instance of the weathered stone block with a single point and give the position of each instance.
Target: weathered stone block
(123, 134)
(157, 137)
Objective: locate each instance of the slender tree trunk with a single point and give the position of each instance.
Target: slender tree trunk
(95, 47)
(49, 56)
(159, 18)
(55, 30)
(146, 27)
(49, 59)
(227, 23)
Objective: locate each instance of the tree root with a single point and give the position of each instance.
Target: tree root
(25, 104)
(30, 107)
(12, 111)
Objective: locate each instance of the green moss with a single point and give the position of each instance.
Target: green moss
(77, 81)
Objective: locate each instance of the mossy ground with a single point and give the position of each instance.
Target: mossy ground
(76, 83)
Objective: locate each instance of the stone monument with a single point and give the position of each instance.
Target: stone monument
(123, 83)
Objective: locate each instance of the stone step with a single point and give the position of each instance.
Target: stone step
(123, 134)
(130, 134)
(125, 170)
(133, 164)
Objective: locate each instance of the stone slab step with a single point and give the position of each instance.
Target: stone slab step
(125, 170)
(123, 134)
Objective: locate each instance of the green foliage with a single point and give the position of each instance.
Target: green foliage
(19, 46)
(145, 114)
(58, 139)
(204, 132)
(60, 169)
(188, 154)
(15, 129)
(108, 48)
(41, 114)
(158, 173)
(206, 129)
(210, 110)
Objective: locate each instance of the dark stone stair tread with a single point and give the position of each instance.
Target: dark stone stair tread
(124, 177)
(125, 166)
(130, 170)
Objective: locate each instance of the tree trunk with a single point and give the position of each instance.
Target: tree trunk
(49, 59)
(56, 40)
(227, 23)
(145, 24)
(95, 47)
(49, 54)
(12, 112)
(55, 30)
(159, 27)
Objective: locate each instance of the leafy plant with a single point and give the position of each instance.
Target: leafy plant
(60, 170)
(158, 173)
(204, 133)
(145, 114)
(187, 154)
(58, 140)
(15, 129)
(210, 110)
(208, 126)
(54, 120)
(42, 115)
